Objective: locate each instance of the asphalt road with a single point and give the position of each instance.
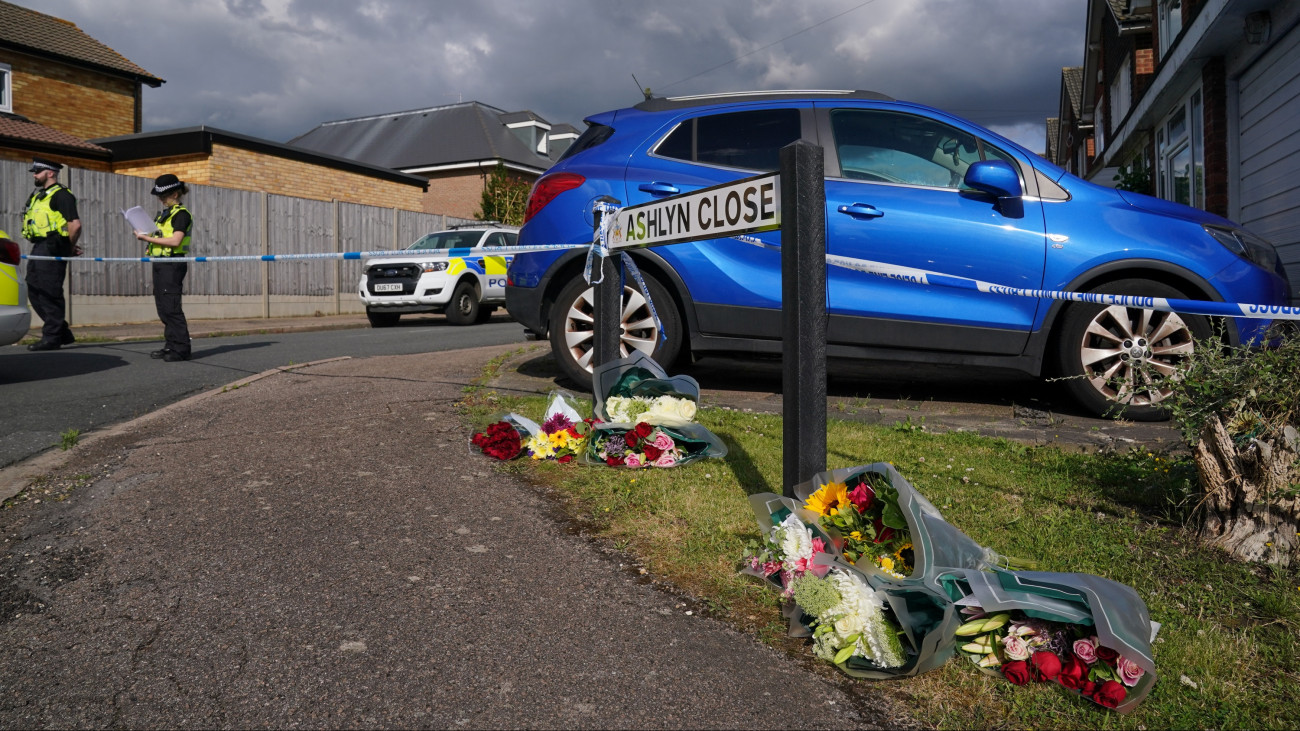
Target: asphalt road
(89, 386)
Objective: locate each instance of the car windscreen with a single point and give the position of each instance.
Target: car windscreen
(446, 240)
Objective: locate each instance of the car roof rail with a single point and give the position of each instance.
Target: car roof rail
(659, 104)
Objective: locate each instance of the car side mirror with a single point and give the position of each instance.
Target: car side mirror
(994, 177)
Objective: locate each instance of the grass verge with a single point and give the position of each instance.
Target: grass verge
(1227, 651)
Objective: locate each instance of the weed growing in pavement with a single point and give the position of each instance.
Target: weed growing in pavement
(69, 439)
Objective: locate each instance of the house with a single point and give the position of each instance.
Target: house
(455, 147)
(59, 88)
(70, 98)
(1195, 101)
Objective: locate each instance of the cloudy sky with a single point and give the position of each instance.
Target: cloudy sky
(277, 68)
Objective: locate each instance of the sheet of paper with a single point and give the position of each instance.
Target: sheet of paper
(140, 220)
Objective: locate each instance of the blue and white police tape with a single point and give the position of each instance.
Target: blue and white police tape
(923, 276)
(600, 249)
(427, 254)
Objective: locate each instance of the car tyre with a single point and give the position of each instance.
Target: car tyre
(572, 327)
(463, 308)
(1112, 358)
(383, 319)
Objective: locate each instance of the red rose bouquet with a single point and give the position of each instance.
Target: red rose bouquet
(500, 441)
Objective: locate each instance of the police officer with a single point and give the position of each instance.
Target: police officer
(171, 239)
(52, 225)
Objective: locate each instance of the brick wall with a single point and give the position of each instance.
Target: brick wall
(232, 167)
(82, 103)
(456, 193)
(1214, 93)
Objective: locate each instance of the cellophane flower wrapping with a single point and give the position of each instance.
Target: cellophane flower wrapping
(945, 580)
(562, 435)
(646, 418)
(1086, 633)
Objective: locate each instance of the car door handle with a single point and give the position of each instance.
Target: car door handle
(861, 210)
(659, 188)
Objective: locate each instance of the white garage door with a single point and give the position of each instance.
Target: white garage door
(1270, 151)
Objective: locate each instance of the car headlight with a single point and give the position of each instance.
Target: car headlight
(1246, 245)
(433, 266)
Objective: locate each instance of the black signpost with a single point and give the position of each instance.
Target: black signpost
(731, 209)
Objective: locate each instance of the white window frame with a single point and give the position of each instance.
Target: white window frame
(1171, 23)
(1121, 92)
(6, 88)
(1192, 140)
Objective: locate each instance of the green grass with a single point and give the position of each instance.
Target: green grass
(1231, 630)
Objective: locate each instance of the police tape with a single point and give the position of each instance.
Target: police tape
(881, 269)
(429, 254)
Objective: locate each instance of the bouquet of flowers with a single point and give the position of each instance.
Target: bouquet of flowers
(1083, 632)
(501, 441)
(562, 436)
(645, 418)
(864, 511)
(1026, 649)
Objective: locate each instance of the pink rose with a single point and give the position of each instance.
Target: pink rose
(1016, 647)
(861, 497)
(1129, 672)
(771, 567)
(1086, 650)
(663, 441)
(633, 460)
(666, 459)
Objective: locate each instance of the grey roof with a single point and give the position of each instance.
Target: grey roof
(1072, 84)
(469, 132)
(1053, 131)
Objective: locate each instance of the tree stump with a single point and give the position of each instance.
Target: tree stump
(1250, 504)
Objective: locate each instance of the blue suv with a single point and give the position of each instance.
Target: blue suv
(907, 185)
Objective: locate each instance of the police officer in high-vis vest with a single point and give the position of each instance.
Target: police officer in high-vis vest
(51, 223)
(171, 239)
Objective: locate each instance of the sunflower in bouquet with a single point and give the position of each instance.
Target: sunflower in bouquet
(865, 513)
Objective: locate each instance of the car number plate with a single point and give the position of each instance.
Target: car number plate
(395, 287)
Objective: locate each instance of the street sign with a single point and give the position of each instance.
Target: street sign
(742, 207)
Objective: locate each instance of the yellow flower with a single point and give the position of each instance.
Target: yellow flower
(856, 535)
(829, 499)
(886, 563)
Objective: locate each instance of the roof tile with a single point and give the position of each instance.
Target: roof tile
(29, 29)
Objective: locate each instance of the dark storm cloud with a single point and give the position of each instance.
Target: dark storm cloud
(277, 68)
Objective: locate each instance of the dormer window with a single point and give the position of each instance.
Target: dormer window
(6, 88)
(532, 133)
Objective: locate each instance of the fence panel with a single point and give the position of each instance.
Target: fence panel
(301, 226)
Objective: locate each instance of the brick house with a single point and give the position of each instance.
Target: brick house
(70, 98)
(455, 147)
(1196, 100)
(59, 88)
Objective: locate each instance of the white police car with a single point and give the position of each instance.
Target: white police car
(467, 288)
(15, 318)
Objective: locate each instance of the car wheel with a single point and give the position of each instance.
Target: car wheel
(1113, 359)
(573, 327)
(383, 319)
(463, 307)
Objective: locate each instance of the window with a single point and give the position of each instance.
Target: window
(749, 140)
(890, 147)
(1121, 93)
(1171, 23)
(6, 88)
(495, 239)
(1180, 153)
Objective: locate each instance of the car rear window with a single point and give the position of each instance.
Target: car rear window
(595, 135)
(751, 140)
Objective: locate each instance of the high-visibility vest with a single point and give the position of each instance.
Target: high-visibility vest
(41, 220)
(164, 221)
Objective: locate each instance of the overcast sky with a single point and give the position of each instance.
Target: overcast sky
(275, 69)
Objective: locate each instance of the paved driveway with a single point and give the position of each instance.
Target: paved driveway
(320, 548)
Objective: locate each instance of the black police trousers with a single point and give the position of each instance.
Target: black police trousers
(167, 282)
(45, 291)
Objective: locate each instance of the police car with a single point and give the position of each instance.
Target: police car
(15, 318)
(467, 289)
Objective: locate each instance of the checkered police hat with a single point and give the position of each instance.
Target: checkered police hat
(40, 163)
(164, 183)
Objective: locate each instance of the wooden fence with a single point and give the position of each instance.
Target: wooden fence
(228, 222)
